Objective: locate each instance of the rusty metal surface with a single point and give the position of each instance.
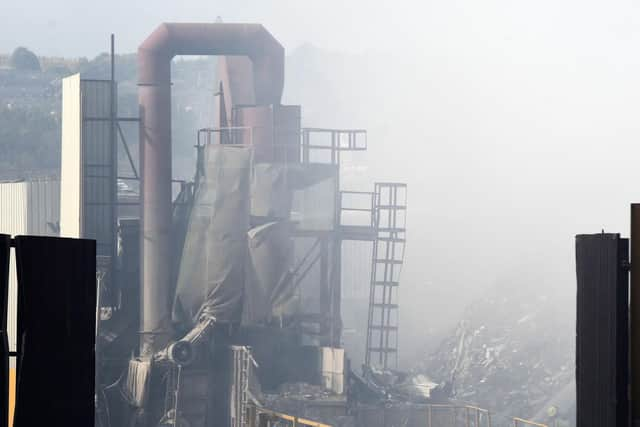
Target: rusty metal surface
(275, 131)
(259, 119)
(251, 40)
(154, 94)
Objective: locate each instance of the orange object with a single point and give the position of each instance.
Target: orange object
(12, 394)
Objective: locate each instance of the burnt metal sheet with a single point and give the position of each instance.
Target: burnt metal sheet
(269, 286)
(602, 361)
(56, 331)
(5, 248)
(211, 277)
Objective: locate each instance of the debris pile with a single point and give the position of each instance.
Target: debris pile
(512, 353)
(397, 386)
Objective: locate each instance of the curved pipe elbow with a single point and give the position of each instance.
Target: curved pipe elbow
(251, 40)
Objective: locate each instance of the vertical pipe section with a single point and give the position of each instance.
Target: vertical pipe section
(155, 156)
(113, 184)
(635, 314)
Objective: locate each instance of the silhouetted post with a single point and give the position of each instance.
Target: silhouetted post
(635, 314)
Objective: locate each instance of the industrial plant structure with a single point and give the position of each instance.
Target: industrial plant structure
(219, 300)
(225, 289)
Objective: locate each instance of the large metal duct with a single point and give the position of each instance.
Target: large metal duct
(154, 94)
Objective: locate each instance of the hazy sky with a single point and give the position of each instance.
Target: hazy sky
(516, 123)
(81, 27)
(74, 27)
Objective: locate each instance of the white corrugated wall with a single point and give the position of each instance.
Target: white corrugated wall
(86, 162)
(13, 221)
(43, 207)
(27, 207)
(13, 201)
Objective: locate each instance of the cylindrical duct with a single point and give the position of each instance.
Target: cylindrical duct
(154, 74)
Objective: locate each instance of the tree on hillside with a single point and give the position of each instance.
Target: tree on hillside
(23, 59)
(29, 141)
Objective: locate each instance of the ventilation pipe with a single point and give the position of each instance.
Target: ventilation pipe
(154, 95)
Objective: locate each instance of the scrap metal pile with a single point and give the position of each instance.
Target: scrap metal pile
(511, 352)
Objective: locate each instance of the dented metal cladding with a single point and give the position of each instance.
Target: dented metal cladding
(154, 71)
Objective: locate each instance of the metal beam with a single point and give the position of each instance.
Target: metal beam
(126, 150)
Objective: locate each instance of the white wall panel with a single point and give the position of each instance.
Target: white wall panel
(26, 207)
(87, 175)
(71, 159)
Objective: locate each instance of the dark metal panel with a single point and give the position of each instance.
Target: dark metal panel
(635, 314)
(602, 361)
(5, 248)
(56, 331)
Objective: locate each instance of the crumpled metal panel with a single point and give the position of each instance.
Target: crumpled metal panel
(211, 277)
(136, 387)
(269, 289)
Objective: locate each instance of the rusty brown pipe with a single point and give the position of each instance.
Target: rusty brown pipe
(154, 95)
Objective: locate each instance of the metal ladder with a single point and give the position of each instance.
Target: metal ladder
(390, 203)
(242, 361)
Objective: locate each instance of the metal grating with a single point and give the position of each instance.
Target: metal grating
(240, 385)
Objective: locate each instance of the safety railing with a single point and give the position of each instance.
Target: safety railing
(236, 135)
(458, 415)
(317, 145)
(519, 422)
(451, 415)
(357, 208)
(262, 417)
(332, 142)
(438, 415)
